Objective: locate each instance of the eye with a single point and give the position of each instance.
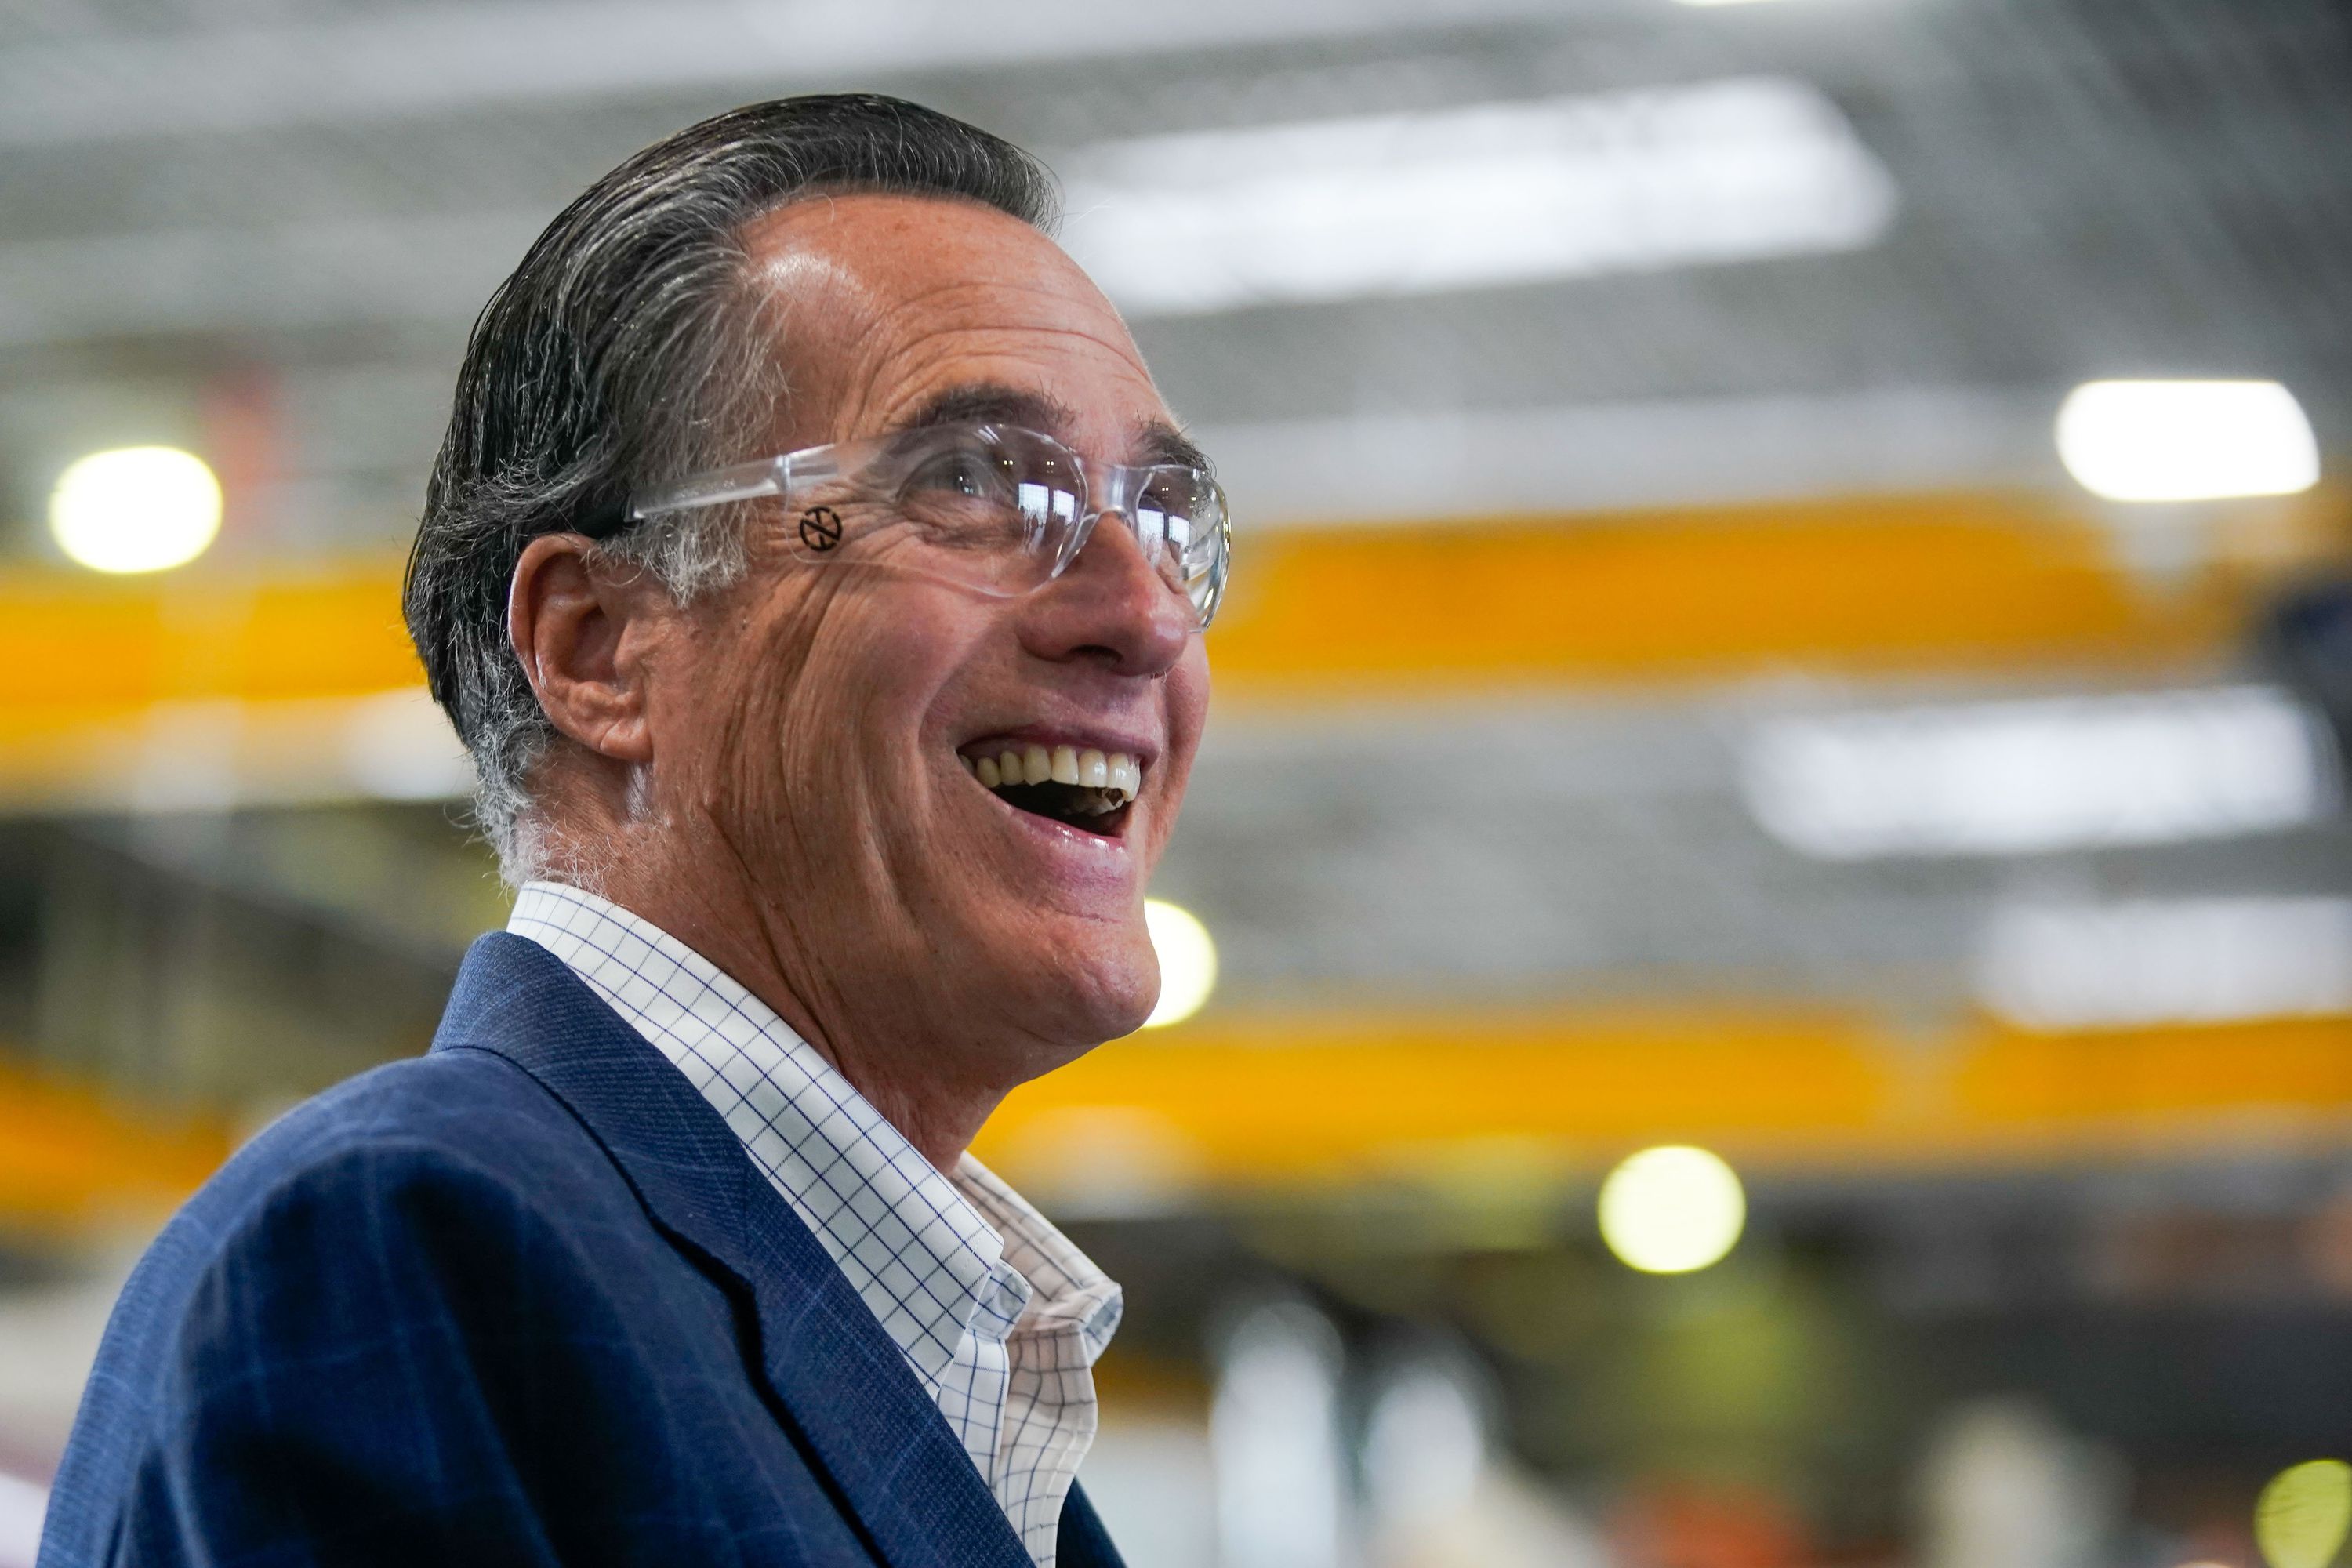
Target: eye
(967, 469)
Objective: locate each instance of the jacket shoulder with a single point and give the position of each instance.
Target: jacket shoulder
(456, 1108)
(352, 1211)
(459, 1122)
(459, 1116)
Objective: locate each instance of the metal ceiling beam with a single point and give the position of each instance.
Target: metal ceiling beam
(365, 270)
(448, 59)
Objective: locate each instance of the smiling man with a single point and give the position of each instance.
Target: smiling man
(817, 579)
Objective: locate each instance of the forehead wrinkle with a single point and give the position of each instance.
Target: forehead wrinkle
(1002, 337)
(998, 343)
(942, 298)
(916, 375)
(901, 340)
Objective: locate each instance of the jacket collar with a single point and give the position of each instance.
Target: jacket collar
(841, 1381)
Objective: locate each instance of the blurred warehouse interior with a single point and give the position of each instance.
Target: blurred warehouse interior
(1684, 684)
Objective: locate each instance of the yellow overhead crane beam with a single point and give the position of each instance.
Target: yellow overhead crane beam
(109, 675)
(1870, 586)
(1251, 1104)
(1321, 1099)
(73, 1161)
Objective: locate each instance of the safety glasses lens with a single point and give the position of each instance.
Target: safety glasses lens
(1000, 507)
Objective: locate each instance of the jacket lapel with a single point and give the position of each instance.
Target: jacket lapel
(842, 1381)
(1082, 1542)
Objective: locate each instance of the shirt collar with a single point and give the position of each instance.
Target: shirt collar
(913, 1243)
(1066, 1286)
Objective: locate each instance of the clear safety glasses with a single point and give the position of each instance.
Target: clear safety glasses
(993, 508)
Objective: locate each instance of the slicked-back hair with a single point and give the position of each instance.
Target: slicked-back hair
(627, 349)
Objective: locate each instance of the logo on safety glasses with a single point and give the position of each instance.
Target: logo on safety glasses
(820, 528)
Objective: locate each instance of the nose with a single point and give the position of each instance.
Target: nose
(1110, 606)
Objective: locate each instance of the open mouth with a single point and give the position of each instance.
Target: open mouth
(1076, 786)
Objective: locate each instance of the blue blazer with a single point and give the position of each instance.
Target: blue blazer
(521, 1301)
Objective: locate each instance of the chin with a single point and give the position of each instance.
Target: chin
(1096, 987)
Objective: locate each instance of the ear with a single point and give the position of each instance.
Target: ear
(586, 628)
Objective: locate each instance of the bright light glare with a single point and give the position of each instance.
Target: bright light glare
(1673, 1209)
(2009, 778)
(397, 745)
(1188, 962)
(136, 509)
(2187, 440)
(1274, 1441)
(1494, 193)
(1424, 1447)
(2303, 1515)
(2168, 961)
(23, 1504)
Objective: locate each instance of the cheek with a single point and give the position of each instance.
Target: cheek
(816, 716)
(1186, 695)
(761, 709)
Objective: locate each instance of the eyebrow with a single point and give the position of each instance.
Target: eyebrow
(993, 403)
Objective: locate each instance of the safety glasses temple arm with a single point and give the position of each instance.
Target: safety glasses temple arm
(745, 481)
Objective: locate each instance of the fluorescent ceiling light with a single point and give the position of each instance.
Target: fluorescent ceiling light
(2187, 440)
(2011, 778)
(2186, 960)
(1499, 193)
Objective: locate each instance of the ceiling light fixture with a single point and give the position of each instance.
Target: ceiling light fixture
(136, 509)
(1492, 194)
(2145, 962)
(2303, 1513)
(1188, 962)
(1673, 1209)
(2026, 777)
(2187, 440)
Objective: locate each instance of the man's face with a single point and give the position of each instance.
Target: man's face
(819, 724)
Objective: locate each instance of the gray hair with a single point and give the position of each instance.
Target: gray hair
(622, 354)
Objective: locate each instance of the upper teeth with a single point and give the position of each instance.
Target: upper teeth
(1114, 772)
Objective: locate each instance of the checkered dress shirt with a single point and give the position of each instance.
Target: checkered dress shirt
(1000, 1316)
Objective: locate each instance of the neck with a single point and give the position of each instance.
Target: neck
(752, 942)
